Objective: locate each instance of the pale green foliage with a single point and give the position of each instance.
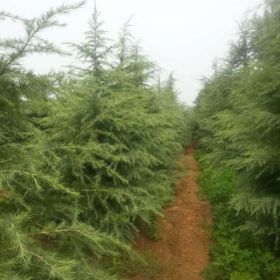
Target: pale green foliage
(86, 160)
(12, 50)
(238, 120)
(94, 51)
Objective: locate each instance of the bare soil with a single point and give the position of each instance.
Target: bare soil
(184, 231)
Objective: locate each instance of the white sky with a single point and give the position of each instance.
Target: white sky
(184, 36)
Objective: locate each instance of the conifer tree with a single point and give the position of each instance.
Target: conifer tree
(123, 45)
(88, 160)
(244, 132)
(94, 51)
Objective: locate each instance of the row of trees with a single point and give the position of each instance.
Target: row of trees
(86, 156)
(238, 121)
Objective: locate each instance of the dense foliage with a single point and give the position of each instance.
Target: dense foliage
(235, 254)
(86, 157)
(238, 124)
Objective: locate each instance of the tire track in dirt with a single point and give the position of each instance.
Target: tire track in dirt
(183, 244)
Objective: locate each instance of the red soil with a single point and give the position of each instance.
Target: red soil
(183, 245)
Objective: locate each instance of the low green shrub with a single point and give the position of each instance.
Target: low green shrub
(235, 255)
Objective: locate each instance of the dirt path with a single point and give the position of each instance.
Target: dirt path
(184, 240)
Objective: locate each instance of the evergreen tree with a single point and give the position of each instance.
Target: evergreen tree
(244, 131)
(94, 51)
(85, 161)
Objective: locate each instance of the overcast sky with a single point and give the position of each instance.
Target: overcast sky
(184, 36)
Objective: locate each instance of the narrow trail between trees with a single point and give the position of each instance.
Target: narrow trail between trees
(184, 232)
